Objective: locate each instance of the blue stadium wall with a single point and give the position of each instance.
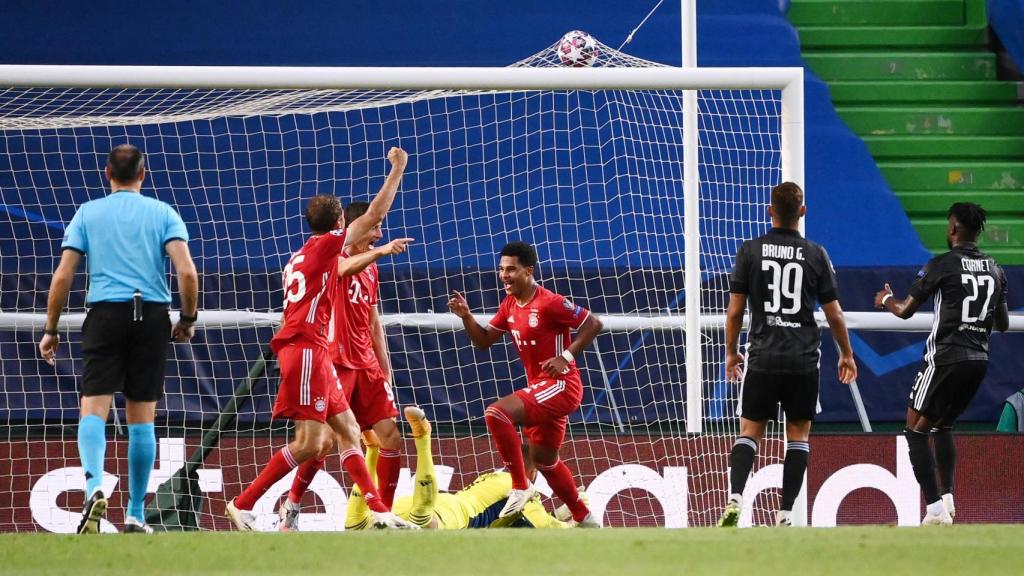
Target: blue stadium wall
(851, 210)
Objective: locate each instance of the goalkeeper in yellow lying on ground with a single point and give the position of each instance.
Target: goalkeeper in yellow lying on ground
(476, 506)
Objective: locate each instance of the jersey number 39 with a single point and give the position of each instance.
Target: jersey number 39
(785, 282)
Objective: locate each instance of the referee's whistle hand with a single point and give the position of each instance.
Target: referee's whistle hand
(48, 348)
(182, 332)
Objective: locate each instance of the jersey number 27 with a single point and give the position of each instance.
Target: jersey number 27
(975, 282)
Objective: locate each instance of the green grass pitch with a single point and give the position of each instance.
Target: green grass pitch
(869, 551)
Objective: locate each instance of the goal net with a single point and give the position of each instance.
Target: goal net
(593, 178)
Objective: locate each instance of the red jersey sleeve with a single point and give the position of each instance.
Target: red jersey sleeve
(564, 313)
(500, 320)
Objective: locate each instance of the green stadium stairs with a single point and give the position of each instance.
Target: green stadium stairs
(916, 81)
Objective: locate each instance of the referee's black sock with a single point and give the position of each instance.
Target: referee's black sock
(945, 457)
(741, 460)
(793, 470)
(924, 464)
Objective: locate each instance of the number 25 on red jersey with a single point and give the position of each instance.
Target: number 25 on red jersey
(294, 281)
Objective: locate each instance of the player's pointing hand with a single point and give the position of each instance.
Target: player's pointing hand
(396, 246)
(458, 305)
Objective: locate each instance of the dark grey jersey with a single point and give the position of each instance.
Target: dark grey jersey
(784, 276)
(968, 286)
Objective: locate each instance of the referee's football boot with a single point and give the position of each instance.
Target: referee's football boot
(244, 520)
(133, 525)
(288, 516)
(517, 500)
(390, 521)
(95, 510)
(731, 515)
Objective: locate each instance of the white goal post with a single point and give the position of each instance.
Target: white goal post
(787, 80)
(79, 105)
(306, 129)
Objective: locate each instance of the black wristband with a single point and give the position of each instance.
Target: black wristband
(51, 332)
(188, 319)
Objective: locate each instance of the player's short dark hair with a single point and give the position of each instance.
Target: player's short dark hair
(322, 213)
(126, 163)
(524, 252)
(355, 210)
(787, 198)
(970, 217)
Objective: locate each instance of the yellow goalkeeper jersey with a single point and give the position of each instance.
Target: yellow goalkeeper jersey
(478, 504)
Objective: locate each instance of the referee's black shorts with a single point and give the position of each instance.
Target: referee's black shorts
(763, 392)
(942, 393)
(125, 355)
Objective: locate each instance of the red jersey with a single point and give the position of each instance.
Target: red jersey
(540, 329)
(357, 295)
(310, 281)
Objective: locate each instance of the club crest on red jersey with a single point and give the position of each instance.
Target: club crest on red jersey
(534, 320)
(320, 405)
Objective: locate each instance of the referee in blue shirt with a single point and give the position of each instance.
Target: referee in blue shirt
(126, 331)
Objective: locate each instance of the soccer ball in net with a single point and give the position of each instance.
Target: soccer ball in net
(577, 49)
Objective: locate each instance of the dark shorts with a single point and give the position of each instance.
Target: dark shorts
(942, 393)
(122, 355)
(763, 392)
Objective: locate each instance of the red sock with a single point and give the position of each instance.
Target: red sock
(503, 431)
(354, 463)
(281, 463)
(564, 486)
(303, 476)
(389, 464)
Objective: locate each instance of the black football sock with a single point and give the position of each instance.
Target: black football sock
(945, 457)
(741, 460)
(793, 470)
(924, 464)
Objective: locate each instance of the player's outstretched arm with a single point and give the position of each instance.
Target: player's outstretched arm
(355, 264)
(60, 286)
(482, 337)
(837, 323)
(733, 326)
(540, 518)
(886, 300)
(381, 203)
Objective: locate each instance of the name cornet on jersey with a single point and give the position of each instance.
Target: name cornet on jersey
(782, 252)
(975, 265)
